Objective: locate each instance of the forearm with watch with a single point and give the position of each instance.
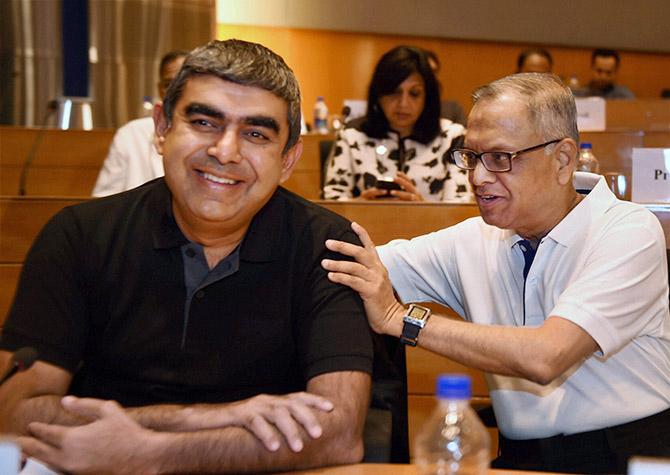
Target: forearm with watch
(413, 322)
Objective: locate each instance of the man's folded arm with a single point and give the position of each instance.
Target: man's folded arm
(235, 449)
(97, 447)
(34, 395)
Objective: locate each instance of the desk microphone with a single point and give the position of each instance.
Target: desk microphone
(52, 106)
(21, 360)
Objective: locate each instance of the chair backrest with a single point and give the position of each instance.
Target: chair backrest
(386, 427)
(325, 146)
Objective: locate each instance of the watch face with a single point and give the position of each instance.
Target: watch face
(418, 313)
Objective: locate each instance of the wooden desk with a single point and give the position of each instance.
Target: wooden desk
(638, 114)
(390, 469)
(66, 162)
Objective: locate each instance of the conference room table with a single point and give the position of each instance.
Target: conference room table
(390, 469)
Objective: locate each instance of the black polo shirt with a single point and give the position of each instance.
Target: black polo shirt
(102, 295)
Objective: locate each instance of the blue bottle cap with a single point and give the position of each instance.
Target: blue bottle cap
(454, 386)
(585, 145)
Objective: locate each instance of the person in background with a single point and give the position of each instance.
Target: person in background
(564, 292)
(190, 315)
(451, 110)
(402, 139)
(132, 159)
(604, 68)
(534, 60)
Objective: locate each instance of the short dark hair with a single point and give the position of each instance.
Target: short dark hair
(246, 64)
(605, 53)
(521, 59)
(171, 56)
(392, 69)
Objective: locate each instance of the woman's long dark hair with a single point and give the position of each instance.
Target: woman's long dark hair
(391, 70)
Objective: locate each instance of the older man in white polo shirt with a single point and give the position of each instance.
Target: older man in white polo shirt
(563, 288)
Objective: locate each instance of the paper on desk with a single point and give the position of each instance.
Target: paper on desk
(34, 467)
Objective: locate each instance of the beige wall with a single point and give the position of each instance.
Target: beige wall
(338, 65)
(641, 25)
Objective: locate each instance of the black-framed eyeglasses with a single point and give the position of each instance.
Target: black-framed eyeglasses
(466, 159)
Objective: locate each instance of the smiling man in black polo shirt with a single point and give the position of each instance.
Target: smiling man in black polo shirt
(196, 302)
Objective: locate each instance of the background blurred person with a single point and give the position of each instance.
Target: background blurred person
(534, 60)
(132, 159)
(401, 139)
(604, 69)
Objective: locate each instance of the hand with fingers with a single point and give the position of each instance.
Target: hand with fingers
(112, 443)
(373, 194)
(408, 191)
(271, 418)
(367, 276)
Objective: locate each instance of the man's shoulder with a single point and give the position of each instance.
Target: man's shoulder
(143, 126)
(307, 212)
(619, 91)
(124, 204)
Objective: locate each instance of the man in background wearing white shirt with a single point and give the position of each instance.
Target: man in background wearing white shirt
(132, 159)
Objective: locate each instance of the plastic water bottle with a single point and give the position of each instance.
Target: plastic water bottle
(320, 116)
(573, 82)
(587, 162)
(453, 441)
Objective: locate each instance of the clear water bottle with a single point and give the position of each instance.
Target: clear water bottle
(320, 116)
(573, 82)
(453, 441)
(587, 162)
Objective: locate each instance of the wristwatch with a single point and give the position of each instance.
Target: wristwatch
(415, 320)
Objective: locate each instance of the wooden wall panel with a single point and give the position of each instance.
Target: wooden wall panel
(338, 65)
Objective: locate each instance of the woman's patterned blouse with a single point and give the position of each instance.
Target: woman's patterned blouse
(357, 161)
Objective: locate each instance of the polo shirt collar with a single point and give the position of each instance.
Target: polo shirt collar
(164, 229)
(260, 243)
(599, 200)
(263, 238)
(596, 203)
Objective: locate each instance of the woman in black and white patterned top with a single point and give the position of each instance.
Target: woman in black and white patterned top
(401, 138)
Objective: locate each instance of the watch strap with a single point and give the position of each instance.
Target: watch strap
(410, 333)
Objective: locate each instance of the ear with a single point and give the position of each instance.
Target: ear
(161, 127)
(565, 154)
(289, 160)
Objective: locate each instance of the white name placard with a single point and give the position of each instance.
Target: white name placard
(648, 466)
(651, 175)
(590, 114)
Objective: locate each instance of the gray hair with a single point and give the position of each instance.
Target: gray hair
(550, 104)
(244, 63)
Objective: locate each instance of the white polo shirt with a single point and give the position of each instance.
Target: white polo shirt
(602, 267)
(132, 159)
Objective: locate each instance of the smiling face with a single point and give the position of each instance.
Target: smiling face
(223, 153)
(528, 197)
(404, 106)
